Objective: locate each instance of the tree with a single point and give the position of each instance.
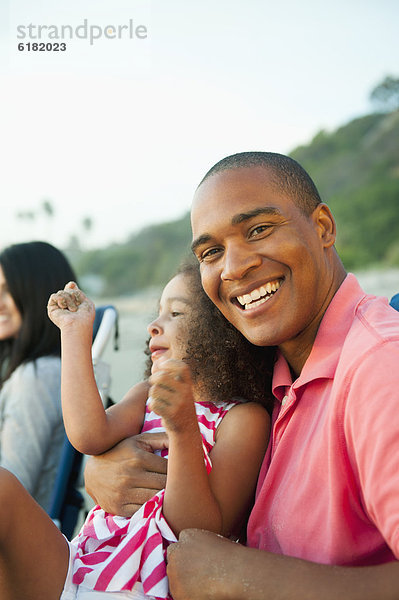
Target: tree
(26, 215)
(48, 208)
(87, 224)
(386, 94)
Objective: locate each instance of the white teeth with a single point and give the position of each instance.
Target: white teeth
(253, 304)
(258, 296)
(255, 295)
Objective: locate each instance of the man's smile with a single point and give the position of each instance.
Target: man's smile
(258, 295)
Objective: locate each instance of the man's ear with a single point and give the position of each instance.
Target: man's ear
(325, 224)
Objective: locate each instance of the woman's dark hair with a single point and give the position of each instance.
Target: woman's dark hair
(33, 271)
(221, 359)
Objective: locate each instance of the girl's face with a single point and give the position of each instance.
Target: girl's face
(169, 330)
(10, 317)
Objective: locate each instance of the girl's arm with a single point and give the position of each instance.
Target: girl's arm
(192, 498)
(90, 428)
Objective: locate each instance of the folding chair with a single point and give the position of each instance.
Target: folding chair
(394, 302)
(67, 501)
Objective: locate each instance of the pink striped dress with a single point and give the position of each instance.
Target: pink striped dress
(116, 553)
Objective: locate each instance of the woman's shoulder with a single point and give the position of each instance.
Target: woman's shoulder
(43, 371)
(44, 366)
(47, 365)
(32, 395)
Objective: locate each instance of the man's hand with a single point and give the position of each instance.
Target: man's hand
(128, 475)
(201, 566)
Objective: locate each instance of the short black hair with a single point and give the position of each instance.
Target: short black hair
(222, 361)
(287, 175)
(33, 271)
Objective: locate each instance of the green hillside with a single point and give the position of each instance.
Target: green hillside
(149, 258)
(356, 170)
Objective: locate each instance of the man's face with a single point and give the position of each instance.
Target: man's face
(262, 260)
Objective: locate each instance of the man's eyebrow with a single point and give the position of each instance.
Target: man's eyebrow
(261, 210)
(202, 239)
(236, 220)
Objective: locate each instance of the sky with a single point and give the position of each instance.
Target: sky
(120, 128)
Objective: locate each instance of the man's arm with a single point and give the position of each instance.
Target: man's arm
(128, 475)
(203, 565)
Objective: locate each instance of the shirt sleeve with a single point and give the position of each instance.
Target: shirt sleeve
(371, 428)
(30, 415)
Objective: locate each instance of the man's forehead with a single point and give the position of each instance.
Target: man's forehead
(238, 175)
(253, 180)
(235, 191)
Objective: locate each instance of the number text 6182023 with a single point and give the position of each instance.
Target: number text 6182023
(42, 47)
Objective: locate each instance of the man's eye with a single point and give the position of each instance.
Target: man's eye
(175, 313)
(209, 253)
(259, 229)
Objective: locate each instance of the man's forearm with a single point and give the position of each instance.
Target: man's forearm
(279, 577)
(203, 566)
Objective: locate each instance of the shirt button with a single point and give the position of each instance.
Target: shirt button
(284, 400)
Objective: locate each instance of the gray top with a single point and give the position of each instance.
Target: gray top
(31, 426)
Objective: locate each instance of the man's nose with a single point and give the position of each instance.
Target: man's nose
(238, 260)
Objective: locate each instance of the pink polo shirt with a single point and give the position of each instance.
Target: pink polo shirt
(328, 489)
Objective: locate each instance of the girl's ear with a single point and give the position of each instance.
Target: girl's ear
(325, 224)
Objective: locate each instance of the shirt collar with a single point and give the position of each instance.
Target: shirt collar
(323, 359)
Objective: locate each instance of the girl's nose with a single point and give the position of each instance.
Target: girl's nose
(154, 328)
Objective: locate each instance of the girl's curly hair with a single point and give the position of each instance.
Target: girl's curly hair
(222, 361)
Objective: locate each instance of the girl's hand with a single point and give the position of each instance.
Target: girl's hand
(70, 305)
(172, 397)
